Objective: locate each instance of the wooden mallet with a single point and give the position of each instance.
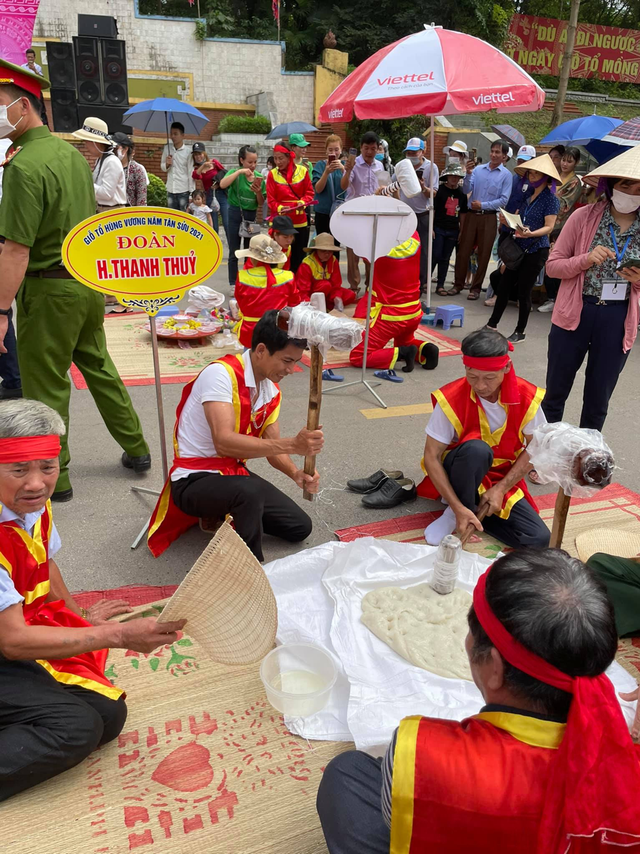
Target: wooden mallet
(322, 331)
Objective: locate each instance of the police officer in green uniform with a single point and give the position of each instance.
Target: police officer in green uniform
(47, 190)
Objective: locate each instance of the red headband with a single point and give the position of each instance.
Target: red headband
(510, 392)
(595, 778)
(27, 448)
(281, 148)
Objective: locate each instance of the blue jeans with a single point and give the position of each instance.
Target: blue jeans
(221, 196)
(178, 201)
(9, 370)
(444, 242)
(233, 238)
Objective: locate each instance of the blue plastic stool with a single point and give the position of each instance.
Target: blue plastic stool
(448, 313)
(428, 320)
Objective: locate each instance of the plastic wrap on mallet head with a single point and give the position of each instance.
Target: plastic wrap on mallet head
(576, 458)
(324, 330)
(204, 298)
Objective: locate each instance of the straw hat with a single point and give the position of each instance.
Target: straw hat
(323, 241)
(94, 130)
(262, 248)
(543, 163)
(227, 602)
(625, 165)
(459, 146)
(621, 543)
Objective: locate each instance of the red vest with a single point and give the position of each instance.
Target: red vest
(256, 296)
(476, 786)
(26, 559)
(168, 522)
(396, 285)
(465, 413)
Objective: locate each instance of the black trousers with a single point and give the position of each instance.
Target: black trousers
(466, 466)
(599, 336)
(349, 805)
(256, 505)
(322, 224)
(235, 217)
(525, 278)
(444, 242)
(300, 241)
(47, 728)
(551, 286)
(425, 237)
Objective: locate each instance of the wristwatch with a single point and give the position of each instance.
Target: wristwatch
(5, 311)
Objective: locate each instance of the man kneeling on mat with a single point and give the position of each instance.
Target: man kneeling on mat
(227, 415)
(475, 454)
(56, 704)
(547, 766)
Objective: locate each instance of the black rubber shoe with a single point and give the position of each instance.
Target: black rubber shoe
(138, 464)
(365, 485)
(408, 355)
(391, 493)
(63, 495)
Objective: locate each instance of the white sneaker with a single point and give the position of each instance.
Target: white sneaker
(547, 306)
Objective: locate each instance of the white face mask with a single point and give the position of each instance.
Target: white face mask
(624, 203)
(416, 161)
(121, 154)
(5, 125)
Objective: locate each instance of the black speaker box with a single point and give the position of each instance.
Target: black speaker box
(88, 70)
(61, 65)
(111, 115)
(113, 56)
(64, 109)
(97, 26)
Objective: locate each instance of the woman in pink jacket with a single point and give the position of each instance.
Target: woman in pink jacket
(596, 310)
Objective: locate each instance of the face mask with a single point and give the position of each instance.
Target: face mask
(379, 156)
(624, 203)
(121, 154)
(5, 125)
(453, 159)
(543, 180)
(415, 161)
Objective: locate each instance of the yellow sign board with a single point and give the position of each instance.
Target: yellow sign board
(146, 257)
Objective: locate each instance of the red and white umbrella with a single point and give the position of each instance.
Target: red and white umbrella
(433, 72)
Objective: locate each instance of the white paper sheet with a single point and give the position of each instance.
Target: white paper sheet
(319, 593)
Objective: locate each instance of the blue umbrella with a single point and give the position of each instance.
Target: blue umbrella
(581, 131)
(280, 131)
(158, 113)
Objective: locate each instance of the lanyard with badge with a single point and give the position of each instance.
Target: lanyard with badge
(615, 289)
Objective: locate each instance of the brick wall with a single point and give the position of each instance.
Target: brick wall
(148, 154)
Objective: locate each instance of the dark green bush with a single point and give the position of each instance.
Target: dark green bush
(244, 124)
(156, 192)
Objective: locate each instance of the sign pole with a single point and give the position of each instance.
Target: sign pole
(374, 239)
(158, 383)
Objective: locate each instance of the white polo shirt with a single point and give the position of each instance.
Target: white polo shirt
(214, 384)
(8, 593)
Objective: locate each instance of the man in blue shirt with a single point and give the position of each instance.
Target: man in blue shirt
(489, 188)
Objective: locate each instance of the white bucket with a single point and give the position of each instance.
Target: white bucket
(298, 678)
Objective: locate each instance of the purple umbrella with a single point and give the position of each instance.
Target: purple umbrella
(510, 134)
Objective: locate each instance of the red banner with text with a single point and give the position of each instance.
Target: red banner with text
(609, 53)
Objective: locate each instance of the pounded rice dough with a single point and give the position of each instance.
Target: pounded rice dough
(422, 626)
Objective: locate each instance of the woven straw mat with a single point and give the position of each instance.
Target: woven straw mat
(227, 601)
(203, 765)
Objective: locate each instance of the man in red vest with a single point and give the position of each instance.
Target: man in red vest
(395, 313)
(547, 766)
(227, 415)
(56, 704)
(475, 453)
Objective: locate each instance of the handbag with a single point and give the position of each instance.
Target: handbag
(509, 252)
(248, 228)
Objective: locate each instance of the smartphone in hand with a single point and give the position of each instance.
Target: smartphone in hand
(628, 262)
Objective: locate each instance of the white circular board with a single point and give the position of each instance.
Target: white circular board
(356, 232)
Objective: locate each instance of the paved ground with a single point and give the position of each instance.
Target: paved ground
(98, 526)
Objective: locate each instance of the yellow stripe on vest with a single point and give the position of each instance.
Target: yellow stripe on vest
(109, 691)
(406, 249)
(402, 788)
(34, 544)
(532, 731)
(4, 562)
(39, 590)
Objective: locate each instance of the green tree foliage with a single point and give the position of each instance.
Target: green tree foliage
(244, 124)
(156, 192)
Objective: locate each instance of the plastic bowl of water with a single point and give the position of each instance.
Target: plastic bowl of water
(298, 678)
